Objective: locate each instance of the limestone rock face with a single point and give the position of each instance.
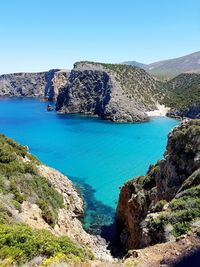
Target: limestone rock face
(119, 93)
(163, 204)
(42, 84)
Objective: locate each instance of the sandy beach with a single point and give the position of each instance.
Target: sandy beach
(161, 111)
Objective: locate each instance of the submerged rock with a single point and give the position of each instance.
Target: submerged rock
(49, 107)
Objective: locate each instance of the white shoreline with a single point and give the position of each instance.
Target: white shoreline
(161, 111)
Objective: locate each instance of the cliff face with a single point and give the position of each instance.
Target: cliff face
(191, 112)
(163, 204)
(42, 85)
(38, 195)
(118, 93)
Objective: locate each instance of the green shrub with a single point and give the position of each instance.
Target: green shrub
(182, 211)
(23, 181)
(22, 243)
(159, 205)
(48, 214)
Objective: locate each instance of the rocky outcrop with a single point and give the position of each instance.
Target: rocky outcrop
(163, 204)
(119, 93)
(42, 198)
(43, 84)
(191, 112)
(69, 216)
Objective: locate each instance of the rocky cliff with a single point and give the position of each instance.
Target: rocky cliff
(119, 93)
(40, 212)
(164, 204)
(43, 85)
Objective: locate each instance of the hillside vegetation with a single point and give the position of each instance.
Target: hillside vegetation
(183, 91)
(20, 181)
(168, 69)
(115, 92)
(134, 81)
(165, 203)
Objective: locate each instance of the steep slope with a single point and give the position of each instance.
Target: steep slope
(119, 93)
(164, 204)
(43, 84)
(183, 95)
(40, 213)
(168, 69)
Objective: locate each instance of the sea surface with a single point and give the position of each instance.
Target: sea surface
(98, 156)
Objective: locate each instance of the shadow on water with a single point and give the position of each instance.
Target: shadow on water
(98, 218)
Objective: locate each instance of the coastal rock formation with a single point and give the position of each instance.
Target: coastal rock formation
(119, 93)
(60, 214)
(164, 204)
(191, 112)
(38, 199)
(43, 84)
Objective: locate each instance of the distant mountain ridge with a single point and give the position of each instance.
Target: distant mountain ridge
(168, 69)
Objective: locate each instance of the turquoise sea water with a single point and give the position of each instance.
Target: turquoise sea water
(98, 156)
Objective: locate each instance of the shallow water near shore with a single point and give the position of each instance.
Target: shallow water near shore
(98, 156)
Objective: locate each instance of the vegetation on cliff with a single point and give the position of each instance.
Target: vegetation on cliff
(20, 181)
(168, 69)
(164, 204)
(19, 177)
(115, 92)
(182, 91)
(134, 81)
(20, 243)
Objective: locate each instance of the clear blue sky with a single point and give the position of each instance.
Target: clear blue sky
(43, 34)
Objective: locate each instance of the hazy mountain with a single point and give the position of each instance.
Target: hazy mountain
(137, 64)
(170, 68)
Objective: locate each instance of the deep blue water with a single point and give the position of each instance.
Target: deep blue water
(99, 156)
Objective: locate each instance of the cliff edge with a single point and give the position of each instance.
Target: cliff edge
(164, 204)
(40, 212)
(45, 85)
(119, 93)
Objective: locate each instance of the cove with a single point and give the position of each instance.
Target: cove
(97, 155)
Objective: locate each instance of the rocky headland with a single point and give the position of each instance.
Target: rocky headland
(163, 206)
(119, 93)
(44, 85)
(40, 214)
(115, 92)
